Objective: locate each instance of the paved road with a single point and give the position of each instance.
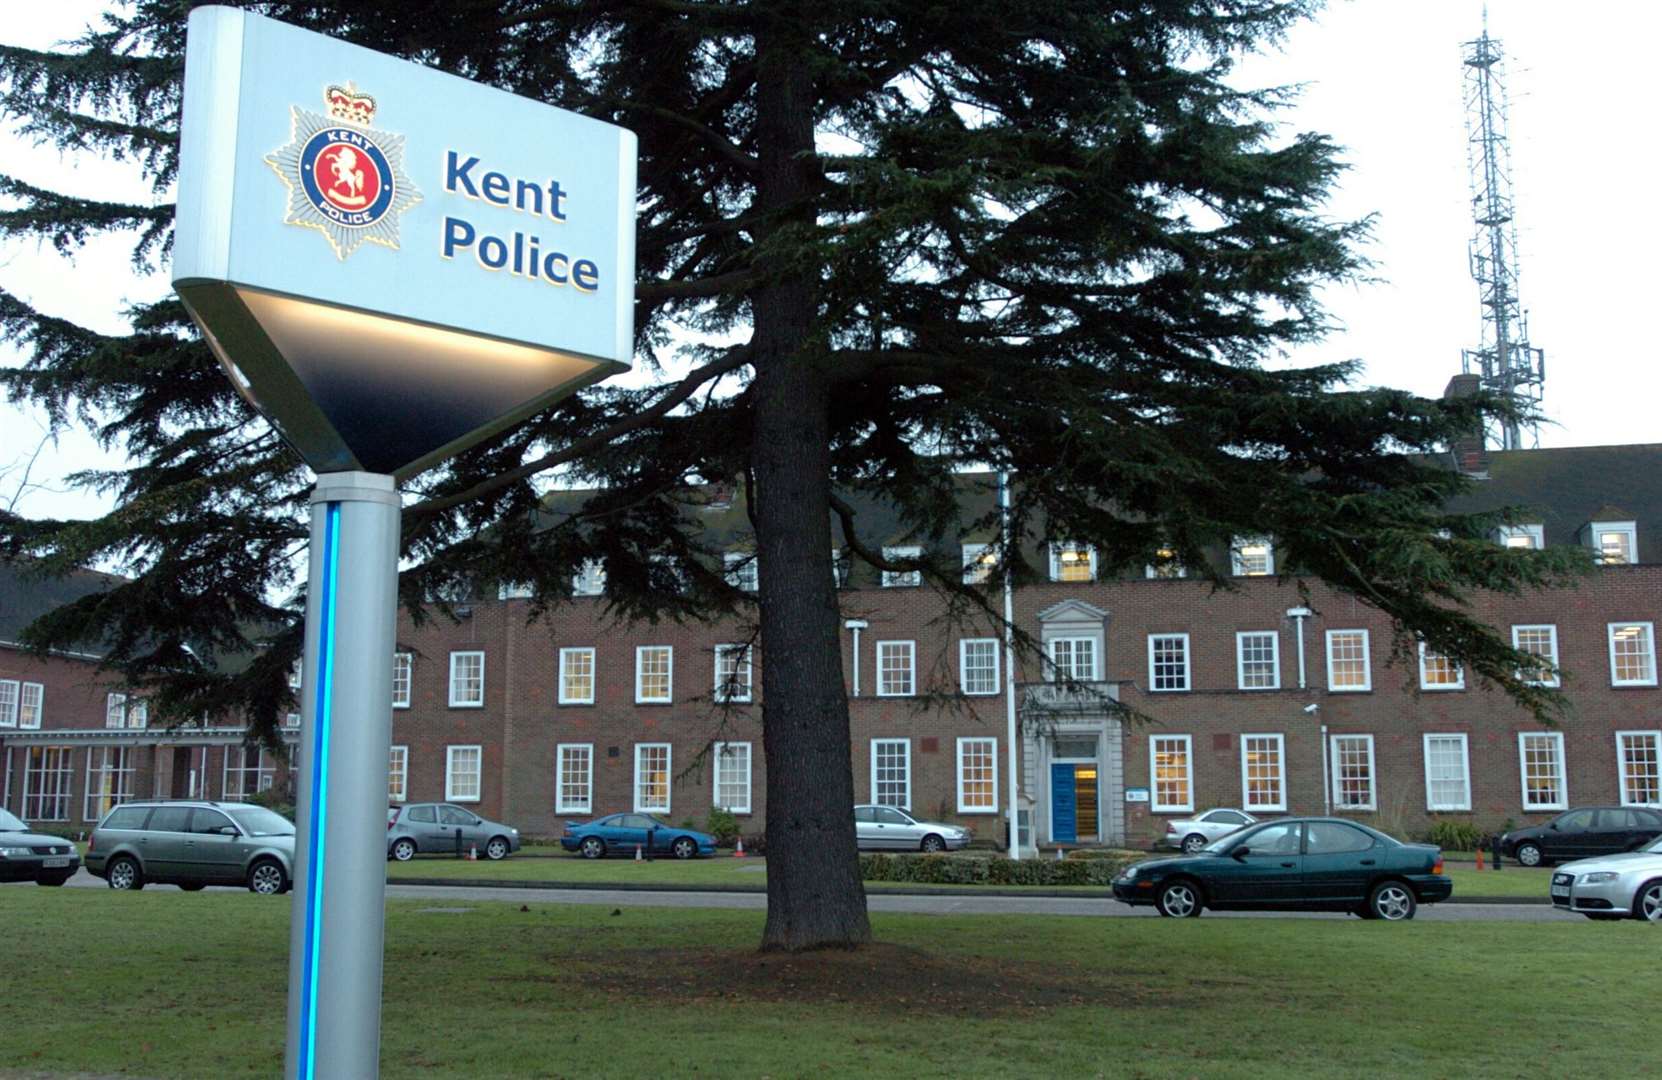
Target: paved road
(925, 905)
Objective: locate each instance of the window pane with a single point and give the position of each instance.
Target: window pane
(1543, 771)
(652, 778)
(652, 673)
(397, 772)
(1169, 662)
(900, 578)
(977, 775)
(401, 679)
(1641, 780)
(1347, 660)
(1257, 661)
(1261, 772)
(1353, 772)
(979, 665)
(576, 676)
(467, 678)
(1445, 772)
(732, 788)
(894, 668)
(575, 766)
(891, 772)
(1171, 769)
(1632, 660)
(732, 673)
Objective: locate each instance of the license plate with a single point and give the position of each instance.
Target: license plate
(52, 863)
(1560, 890)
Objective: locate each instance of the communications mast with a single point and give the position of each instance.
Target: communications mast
(1505, 360)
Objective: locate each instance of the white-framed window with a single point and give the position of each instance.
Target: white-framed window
(978, 776)
(1071, 561)
(574, 770)
(896, 579)
(654, 674)
(10, 694)
(398, 773)
(467, 680)
(1524, 537)
(1165, 565)
(1541, 769)
(1072, 658)
(1258, 660)
(1439, 672)
(120, 711)
(1541, 640)
(291, 720)
(1348, 668)
(1632, 654)
(891, 772)
(463, 769)
(1168, 662)
(109, 780)
(1639, 764)
(576, 676)
(1448, 776)
(667, 573)
(652, 778)
(978, 666)
(590, 579)
(1352, 772)
(515, 590)
(979, 561)
(1615, 543)
(247, 772)
(403, 664)
(31, 705)
(740, 567)
(48, 782)
(731, 790)
(1252, 556)
(294, 674)
(733, 673)
(1263, 773)
(1171, 771)
(896, 668)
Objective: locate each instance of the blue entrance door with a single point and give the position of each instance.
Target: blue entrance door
(1064, 811)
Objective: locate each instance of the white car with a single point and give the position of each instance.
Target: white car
(1627, 886)
(1192, 834)
(888, 828)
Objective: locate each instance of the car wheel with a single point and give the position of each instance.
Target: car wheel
(192, 886)
(267, 878)
(592, 847)
(1179, 900)
(933, 844)
(1392, 901)
(1529, 855)
(1193, 843)
(51, 882)
(496, 849)
(1647, 903)
(403, 850)
(124, 874)
(685, 847)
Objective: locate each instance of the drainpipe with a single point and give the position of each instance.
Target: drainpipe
(1009, 666)
(854, 626)
(1298, 615)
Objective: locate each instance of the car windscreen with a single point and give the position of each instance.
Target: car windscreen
(258, 821)
(8, 823)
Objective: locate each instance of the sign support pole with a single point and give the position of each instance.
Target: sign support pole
(339, 911)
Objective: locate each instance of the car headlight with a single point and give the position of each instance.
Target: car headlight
(1128, 873)
(1600, 877)
(15, 852)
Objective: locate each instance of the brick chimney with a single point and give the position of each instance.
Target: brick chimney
(1467, 450)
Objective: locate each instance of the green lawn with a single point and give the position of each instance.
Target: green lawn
(169, 984)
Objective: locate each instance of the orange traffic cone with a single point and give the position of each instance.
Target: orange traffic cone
(637, 853)
(1480, 857)
(738, 852)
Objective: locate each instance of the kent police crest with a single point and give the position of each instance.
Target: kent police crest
(345, 178)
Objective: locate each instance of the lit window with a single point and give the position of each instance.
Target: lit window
(1438, 672)
(402, 664)
(1347, 661)
(1632, 654)
(1070, 561)
(978, 776)
(109, 780)
(576, 676)
(978, 666)
(732, 673)
(891, 772)
(1072, 658)
(1523, 537)
(9, 697)
(575, 768)
(979, 562)
(1171, 767)
(894, 579)
(653, 674)
(467, 680)
(31, 705)
(514, 590)
(732, 776)
(590, 580)
(1539, 641)
(1541, 762)
(1353, 772)
(462, 768)
(398, 773)
(48, 781)
(1641, 764)
(1258, 660)
(1448, 782)
(1615, 543)
(1263, 785)
(1165, 565)
(1252, 556)
(894, 668)
(652, 778)
(1168, 662)
(123, 712)
(740, 567)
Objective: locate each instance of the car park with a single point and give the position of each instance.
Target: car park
(193, 845)
(1192, 834)
(1622, 886)
(889, 828)
(625, 834)
(1582, 833)
(1293, 864)
(31, 856)
(427, 828)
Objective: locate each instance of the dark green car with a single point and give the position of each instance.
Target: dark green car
(1293, 864)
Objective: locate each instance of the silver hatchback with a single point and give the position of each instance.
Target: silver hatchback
(192, 845)
(1192, 834)
(888, 828)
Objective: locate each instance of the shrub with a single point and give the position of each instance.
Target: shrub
(722, 825)
(273, 800)
(756, 844)
(1455, 835)
(956, 870)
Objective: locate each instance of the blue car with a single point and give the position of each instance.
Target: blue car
(623, 834)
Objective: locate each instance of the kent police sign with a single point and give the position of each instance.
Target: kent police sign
(392, 262)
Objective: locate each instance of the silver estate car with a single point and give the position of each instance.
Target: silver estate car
(889, 828)
(1192, 834)
(193, 844)
(1626, 886)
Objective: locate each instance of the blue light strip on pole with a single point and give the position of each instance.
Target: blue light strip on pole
(320, 790)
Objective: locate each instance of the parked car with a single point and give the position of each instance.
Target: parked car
(1192, 834)
(192, 845)
(1293, 864)
(1583, 832)
(622, 834)
(1625, 886)
(441, 827)
(36, 857)
(889, 828)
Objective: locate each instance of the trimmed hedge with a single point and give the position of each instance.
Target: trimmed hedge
(953, 870)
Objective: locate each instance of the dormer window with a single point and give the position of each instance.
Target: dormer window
(1615, 543)
(740, 568)
(1523, 537)
(1252, 556)
(1071, 561)
(1165, 565)
(979, 562)
(590, 580)
(900, 579)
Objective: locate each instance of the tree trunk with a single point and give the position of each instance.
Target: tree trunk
(815, 897)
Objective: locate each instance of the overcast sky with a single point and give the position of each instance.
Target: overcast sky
(1383, 78)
